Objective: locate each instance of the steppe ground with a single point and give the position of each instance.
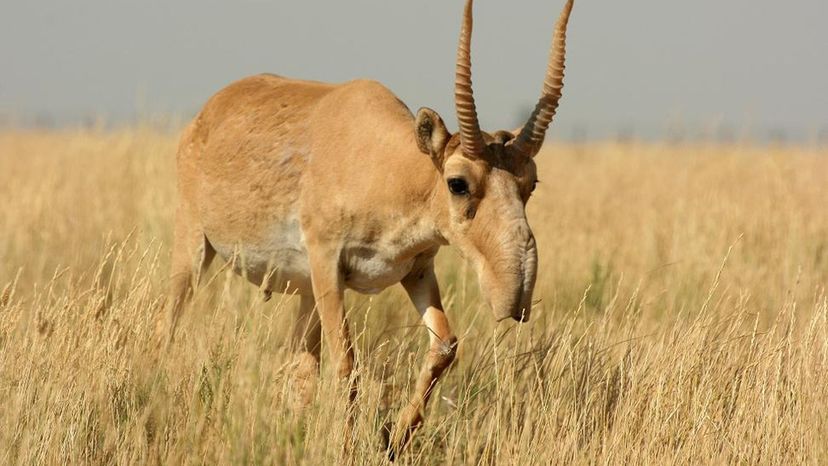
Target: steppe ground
(682, 320)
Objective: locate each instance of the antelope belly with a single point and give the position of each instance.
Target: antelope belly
(278, 262)
(370, 271)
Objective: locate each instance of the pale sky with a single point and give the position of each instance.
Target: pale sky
(640, 66)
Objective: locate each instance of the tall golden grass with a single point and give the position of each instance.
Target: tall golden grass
(683, 319)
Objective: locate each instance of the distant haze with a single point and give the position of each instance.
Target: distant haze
(640, 68)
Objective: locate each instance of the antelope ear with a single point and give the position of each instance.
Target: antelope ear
(431, 133)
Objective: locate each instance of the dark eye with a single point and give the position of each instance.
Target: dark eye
(458, 186)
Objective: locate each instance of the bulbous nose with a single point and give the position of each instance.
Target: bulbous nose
(529, 272)
(519, 307)
(510, 286)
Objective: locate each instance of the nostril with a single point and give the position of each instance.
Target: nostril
(522, 316)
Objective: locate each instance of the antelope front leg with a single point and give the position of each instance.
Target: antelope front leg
(424, 292)
(328, 289)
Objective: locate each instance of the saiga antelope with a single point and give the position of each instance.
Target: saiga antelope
(311, 188)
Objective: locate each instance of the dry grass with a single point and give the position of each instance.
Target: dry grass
(683, 320)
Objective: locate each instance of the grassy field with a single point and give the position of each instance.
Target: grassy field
(683, 319)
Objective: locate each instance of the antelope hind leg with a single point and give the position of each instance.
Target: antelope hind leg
(307, 339)
(191, 256)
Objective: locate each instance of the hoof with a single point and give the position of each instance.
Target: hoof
(304, 381)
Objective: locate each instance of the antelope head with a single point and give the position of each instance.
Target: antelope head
(487, 179)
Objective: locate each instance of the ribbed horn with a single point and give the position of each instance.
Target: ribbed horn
(531, 136)
(470, 135)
